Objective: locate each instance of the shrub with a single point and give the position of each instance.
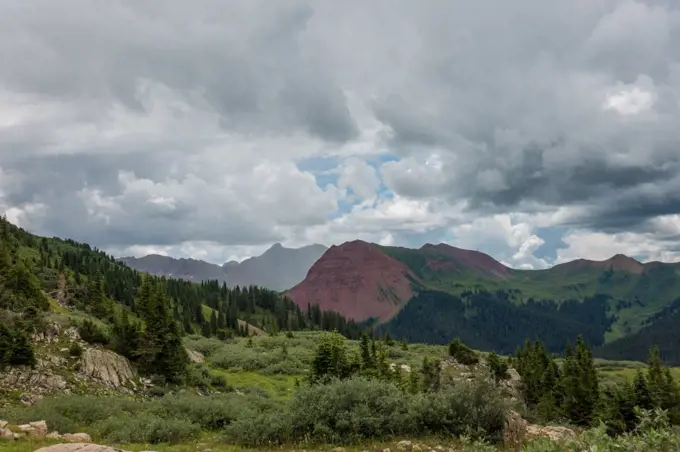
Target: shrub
(219, 381)
(498, 367)
(357, 409)
(211, 413)
(92, 334)
(198, 376)
(75, 350)
(75, 413)
(473, 409)
(146, 428)
(462, 353)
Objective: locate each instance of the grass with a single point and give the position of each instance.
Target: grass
(266, 367)
(279, 387)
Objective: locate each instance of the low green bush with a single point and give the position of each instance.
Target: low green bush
(75, 350)
(211, 413)
(357, 409)
(146, 428)
(462, 353)
(91, 333)
(75, 413)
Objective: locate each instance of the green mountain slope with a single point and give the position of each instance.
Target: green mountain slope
(635, 292)
(42, 279)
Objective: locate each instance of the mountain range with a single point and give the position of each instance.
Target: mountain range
(433, 293)
(279, 268)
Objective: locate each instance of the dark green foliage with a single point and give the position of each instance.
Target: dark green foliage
(574, 392)
(75, 350)
(92, 334)
(167, 419)
(97, 303)
(580, 384)
(642, 395)
(357, 409)
(332, 360)
(145, 428)
(161, 351)
(617, 409)
(481, 320)
(86, 279)
(662, 330)
(663, 390)
(15, 348)
(498, 366)
(431, 375)
(127, 337)
(462, 353)
(367, 358)
(540, 376)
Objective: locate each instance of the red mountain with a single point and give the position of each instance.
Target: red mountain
(447, 257)
(357, 280)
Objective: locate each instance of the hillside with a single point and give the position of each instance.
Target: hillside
(279, 268)
(439, 290)
(48, 283)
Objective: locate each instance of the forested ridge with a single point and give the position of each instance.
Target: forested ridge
(490, 321)
(141, 316)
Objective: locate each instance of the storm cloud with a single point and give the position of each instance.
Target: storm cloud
(189, 127)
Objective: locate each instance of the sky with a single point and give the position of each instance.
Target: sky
(536, 131)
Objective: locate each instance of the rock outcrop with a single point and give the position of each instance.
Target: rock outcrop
(38, 381)
(76, 438)
(515, 431)
(53, 332)
(194, 356)
(357, 280)
(79, 447)
(106, 367)
(552, 432)
(38, 430)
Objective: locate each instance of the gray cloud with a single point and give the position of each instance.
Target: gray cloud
(145, 123)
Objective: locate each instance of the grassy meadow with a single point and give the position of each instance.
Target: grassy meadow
(254, 396)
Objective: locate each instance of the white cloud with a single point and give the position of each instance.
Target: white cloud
(359, 176)
(601, 246)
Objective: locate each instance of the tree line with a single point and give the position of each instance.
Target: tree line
(573, 391)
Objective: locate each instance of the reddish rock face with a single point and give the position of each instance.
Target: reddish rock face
(464, 258)
(356, 280)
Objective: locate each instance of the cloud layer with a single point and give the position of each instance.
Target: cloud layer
(535, 131)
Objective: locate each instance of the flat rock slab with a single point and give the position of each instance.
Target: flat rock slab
(79, 447)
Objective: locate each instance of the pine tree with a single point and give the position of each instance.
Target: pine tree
(213, 323)
(365, 351)
(221, 321)
(98, 304)
(431, 372)
(580, 384)
(127, 337)
(162, 352)
(643, 397)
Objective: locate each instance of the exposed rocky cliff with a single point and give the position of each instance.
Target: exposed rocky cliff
(106, 367)
(66, 364)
